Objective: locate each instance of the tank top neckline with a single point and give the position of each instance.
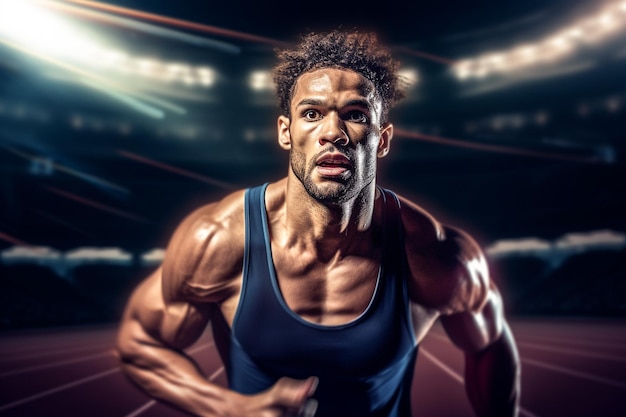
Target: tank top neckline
(274, 279)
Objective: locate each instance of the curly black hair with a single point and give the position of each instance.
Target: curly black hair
(353, 50)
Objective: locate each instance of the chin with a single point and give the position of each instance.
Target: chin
(331, 192)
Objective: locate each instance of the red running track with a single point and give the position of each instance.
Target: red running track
(570, 368)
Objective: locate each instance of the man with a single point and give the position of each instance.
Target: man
(319, 286)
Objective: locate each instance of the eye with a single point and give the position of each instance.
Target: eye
(357, 116)
(312, 114)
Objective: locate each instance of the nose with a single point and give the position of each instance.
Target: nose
(333, 131)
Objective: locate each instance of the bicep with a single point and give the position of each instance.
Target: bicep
(148, 319)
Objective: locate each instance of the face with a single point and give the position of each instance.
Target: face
(334, 135)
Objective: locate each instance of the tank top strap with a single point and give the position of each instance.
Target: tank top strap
(254, 255)
(394, 246)
(254, 202)
(395, 254)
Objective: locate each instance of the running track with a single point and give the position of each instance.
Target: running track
(570, 368)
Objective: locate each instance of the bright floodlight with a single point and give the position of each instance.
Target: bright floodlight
(31, 26)
(410, 75)
(587, 31)
(261, 80)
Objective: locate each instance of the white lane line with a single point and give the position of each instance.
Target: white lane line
(564, 350)
(575, 352)
(461, 380)
(59, 341)
(532, 337)
(199, 348)
(55, 364)
(568, 341)
(216, 373)
(50, 352)
(57, 389)
(579, 374)
(73, 384)
(150, 403)
(141, 409)
(443, 366)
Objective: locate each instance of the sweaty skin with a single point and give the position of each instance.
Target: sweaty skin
(323, 217)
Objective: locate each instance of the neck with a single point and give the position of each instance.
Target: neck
(330, 228)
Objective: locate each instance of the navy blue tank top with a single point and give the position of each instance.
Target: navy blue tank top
(365, 367)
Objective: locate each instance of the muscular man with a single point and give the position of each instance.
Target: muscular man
(320, 286)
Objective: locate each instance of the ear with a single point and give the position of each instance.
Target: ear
(386, 133)
(284, 136)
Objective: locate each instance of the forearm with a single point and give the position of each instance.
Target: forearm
(174, 378)
(492, 378)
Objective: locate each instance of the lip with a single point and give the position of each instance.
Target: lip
(338, 160)
(333, 165)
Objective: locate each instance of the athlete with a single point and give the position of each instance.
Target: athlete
(319, 287)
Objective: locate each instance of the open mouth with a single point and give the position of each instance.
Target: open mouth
(333, 164)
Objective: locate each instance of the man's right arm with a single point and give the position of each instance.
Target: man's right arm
(169, 311)
(164, 371)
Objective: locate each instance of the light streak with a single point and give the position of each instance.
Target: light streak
(176, 170)
(8, 238)
(177, 22)
(425, 55)
(137, 105)
(104, 82)
(144, 27)
(96, 205)
(70, 171)
(495, 148)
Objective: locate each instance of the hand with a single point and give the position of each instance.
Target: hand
(286, 398)
(309, 408)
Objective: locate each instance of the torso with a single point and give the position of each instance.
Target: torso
(331, 293)
(363, 353)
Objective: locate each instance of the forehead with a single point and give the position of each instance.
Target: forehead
(334, 81)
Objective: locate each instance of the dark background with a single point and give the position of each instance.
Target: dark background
(536, 153)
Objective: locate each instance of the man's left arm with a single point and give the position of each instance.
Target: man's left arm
(492, 370)
(450, 275)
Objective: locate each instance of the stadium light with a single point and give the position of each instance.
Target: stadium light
(63, 39)
(596, 28)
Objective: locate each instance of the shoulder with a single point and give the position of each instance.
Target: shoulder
(205, 252)
(447, 268)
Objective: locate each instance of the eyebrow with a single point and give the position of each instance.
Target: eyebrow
(309, 102)
(315, 102)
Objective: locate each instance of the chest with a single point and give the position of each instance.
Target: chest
(327, 293)
(351, 317)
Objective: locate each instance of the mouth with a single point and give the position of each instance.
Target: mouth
(333, 165)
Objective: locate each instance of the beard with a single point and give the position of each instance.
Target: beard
(335, 191)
